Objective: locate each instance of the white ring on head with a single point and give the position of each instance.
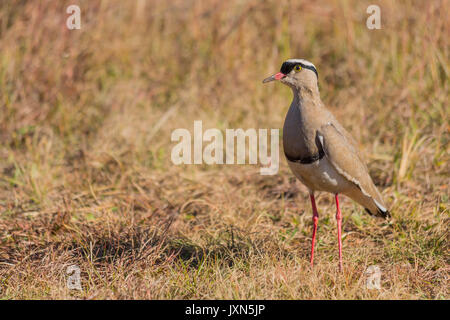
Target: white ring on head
(305, 62)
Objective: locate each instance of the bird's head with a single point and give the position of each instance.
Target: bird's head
(297, 74)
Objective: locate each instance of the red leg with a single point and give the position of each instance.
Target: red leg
(315, 221)
(339, 225)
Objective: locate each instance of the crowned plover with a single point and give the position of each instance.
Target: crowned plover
(319, 151)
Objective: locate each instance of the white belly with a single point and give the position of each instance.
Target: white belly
(320, 176)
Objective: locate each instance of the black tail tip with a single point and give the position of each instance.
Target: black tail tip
(380, 213)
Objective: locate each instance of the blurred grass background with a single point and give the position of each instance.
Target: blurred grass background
(85, 170)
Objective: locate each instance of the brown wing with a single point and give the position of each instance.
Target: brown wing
(345, 158)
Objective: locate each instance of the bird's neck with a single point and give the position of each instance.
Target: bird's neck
(307, 98)
(301, 123)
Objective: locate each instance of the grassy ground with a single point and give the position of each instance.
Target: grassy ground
(86, 177)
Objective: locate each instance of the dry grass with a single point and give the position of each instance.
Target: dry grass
(85, 170)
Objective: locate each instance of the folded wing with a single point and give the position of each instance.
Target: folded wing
(344, 156)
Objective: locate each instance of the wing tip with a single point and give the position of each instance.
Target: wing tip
(380, 213)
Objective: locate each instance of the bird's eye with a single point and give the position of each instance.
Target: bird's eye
(297, 68)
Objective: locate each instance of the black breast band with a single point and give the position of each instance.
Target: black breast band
(307, 160)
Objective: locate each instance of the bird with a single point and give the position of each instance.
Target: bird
(320, 152)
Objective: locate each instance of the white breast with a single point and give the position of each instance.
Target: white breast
(320, 176)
